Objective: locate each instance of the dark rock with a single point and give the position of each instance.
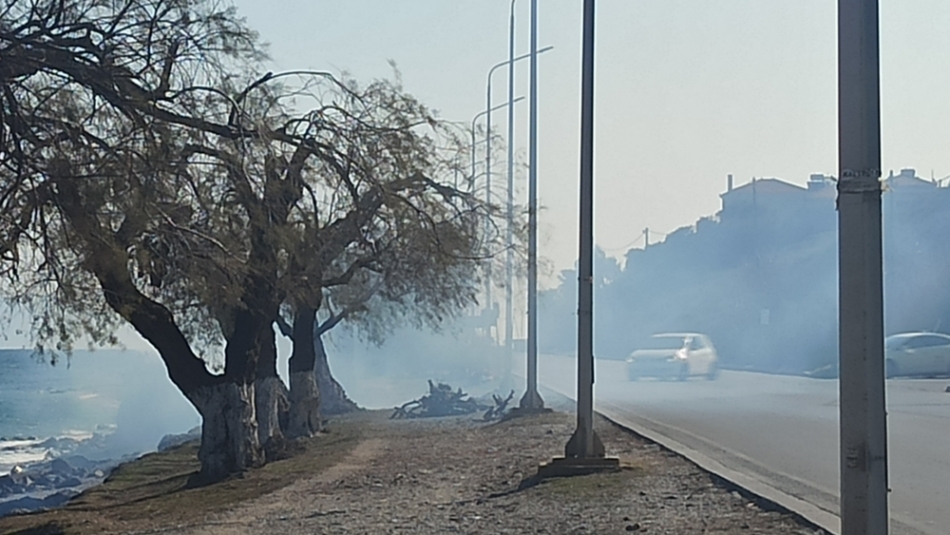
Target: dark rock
(632, 527)
(67, 483)
(30, 504)
(171, 441)
(21, 505)
(60, 467)
(80, 463)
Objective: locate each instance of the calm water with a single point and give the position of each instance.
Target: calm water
(122, 393)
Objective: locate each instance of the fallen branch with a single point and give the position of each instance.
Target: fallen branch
(501, 405)
(440, 401)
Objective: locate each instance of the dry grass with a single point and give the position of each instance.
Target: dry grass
(156, 486)
(430, 477)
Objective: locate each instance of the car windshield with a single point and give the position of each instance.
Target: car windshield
(893, 342)
(664, 342)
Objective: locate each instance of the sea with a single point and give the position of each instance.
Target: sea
(121, 398)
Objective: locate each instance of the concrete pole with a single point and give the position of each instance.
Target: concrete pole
(532, 399)
(863, 422)
(584, 443)
(509, 231)
(646, 238)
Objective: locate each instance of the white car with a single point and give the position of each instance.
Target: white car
(917, 354)
(674, 355)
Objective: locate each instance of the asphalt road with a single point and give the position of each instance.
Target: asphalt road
(784, 431)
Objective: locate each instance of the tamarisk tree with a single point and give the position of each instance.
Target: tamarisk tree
(148, 177)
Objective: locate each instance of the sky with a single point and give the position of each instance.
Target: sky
(687, 91)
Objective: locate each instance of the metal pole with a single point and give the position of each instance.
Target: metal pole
(471, 183)
(475, 119)
(488, 268)
(863, 421)
(585, 443)
(532, 399)
(488, 107)
(509, 235)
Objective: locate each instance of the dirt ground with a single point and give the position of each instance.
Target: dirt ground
(436, 476)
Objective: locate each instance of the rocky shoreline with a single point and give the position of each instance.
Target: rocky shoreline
(70, 467)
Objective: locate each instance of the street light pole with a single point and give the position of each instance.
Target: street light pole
(475, 119)
(488, 198)
(584, 443)
(863, 421)
(509, 231)
(532, 399)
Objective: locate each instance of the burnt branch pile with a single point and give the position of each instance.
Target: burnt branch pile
(441, 400)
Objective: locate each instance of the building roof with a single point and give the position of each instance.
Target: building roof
(767, 185)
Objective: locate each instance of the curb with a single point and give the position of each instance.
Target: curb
(761, 492)
(808, 513)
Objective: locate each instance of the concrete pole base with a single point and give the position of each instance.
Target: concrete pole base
(531, 401)
(575, 446)
(568, 466)
(519, 412)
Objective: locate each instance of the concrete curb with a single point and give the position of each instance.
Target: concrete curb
(810, 513)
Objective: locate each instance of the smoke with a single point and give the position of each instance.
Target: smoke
(127, 393)
(760, 279)
(396, 371)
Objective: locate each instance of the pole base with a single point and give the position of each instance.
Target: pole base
(531, 401)
(575, 446)
(569, 466)
(519, 412)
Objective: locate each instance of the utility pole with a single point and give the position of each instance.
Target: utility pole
(863, 422)
(584, 443)
(532, 399)
(509, 241)
(646, 236)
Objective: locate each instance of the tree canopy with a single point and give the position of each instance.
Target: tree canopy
(153, 174)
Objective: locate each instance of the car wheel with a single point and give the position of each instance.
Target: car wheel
(891, 369)
(713, 373)
(683, 373)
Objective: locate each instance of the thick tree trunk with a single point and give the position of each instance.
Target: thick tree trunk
(270, 397)
(229, 441)
(269, 400)
(333, 399)
(304, 418)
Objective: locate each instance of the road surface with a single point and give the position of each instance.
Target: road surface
(784, 431)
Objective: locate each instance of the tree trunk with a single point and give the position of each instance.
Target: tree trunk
(333, 399)
(269, 401)
(229, 441)
(269, 396)
(304, 418)
(226, 403)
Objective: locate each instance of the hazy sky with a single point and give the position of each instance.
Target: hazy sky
(687, 91)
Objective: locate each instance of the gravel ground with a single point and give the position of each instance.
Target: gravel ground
(456, 475)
